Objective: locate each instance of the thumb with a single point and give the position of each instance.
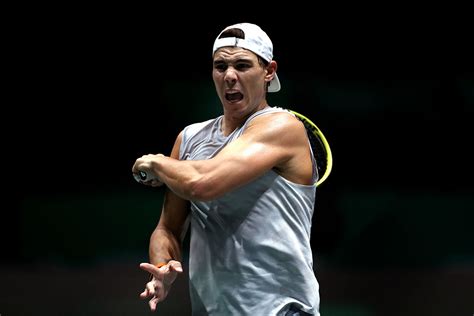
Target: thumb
(175, 265)
(148, 268)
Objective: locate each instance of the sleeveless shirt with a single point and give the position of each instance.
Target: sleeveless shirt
(250, 251)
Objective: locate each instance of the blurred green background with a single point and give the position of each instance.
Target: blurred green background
(392, 230)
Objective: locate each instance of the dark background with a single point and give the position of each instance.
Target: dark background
(92, 89)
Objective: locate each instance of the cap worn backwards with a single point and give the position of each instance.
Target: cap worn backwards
(255, 40)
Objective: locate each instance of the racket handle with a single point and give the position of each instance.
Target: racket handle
(141, 176)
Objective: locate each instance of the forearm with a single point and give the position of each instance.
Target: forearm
(203, 180)
(184, 178)
(164, 245)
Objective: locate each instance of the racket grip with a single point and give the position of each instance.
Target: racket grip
(141, 176)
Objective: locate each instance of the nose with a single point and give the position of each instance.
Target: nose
(230, 75)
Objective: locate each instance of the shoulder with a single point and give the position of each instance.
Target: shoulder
(194, 128)
(274, 123)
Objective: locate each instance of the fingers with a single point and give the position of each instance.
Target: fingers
(156, 183)
(161, 282)
(150, 291)
(152, 303)
(145, 293)
(175, 265)
(155, 290)
(144, 164)
(150, 288)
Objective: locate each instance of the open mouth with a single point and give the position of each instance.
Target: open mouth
(234, 97)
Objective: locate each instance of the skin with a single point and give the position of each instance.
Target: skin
(274, 141)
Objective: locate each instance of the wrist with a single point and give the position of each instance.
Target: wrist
(159, 265)
(161, 262)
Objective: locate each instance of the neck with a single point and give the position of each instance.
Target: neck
(232, 121)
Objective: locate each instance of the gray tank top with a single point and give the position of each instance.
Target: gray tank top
(244, 243)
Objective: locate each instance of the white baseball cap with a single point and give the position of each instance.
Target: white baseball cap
(255, 40)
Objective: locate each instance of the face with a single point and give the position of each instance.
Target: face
(240, 80)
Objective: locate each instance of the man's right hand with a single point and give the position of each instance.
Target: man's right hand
(158, 287)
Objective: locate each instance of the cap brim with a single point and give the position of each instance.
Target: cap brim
(274, 84)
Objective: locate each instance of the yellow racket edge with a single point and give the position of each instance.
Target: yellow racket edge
(318, 133)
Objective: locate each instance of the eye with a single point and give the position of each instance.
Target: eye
(220, 67)
(242, 66)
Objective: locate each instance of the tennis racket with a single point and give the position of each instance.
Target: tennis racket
(320, 146)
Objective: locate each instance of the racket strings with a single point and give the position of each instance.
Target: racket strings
(318, 151)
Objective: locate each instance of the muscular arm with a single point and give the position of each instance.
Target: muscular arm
(165, 241)
(274, 141)
(165, 245)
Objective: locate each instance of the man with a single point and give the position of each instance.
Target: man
(245, 181)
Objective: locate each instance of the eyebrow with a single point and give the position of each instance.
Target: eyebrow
(227, 61)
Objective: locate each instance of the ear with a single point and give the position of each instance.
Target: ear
(271, 70)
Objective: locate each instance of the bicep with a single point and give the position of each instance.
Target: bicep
(247, 158)
(268, 144)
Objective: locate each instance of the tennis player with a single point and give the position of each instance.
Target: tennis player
(244, 183)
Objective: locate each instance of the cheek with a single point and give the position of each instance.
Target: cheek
(217, 84)
(216, 76)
